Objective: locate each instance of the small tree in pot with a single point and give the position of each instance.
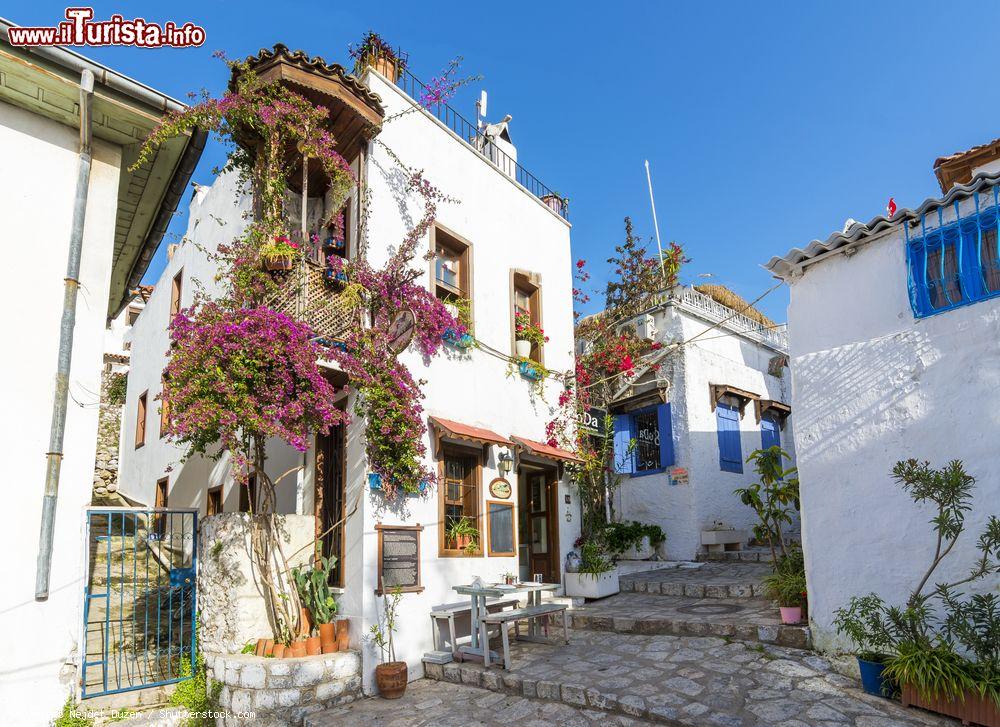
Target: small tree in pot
(390, 675)
(313, 585)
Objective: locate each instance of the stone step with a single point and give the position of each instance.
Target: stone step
(754, 620)
(747, 555)
(710, 580)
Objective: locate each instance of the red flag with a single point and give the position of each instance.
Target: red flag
(891, 207)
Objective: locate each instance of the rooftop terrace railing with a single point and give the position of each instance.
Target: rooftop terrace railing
(711, 310)
(474, 137)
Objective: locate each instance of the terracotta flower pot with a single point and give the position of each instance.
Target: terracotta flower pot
(971, 709)
(343, 634)
(278, 652)
(269, 647)
(305, 621)
(391, 679)
(259, 651)
(790, 614)
(385, 66)
(328, 638)
(313, 646)
(276, 264)
(299, 648)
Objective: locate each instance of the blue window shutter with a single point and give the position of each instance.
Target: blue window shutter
(769, 434)
(666, 435)
(624, 462)
(730, 454)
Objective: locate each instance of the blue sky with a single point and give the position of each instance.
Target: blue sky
(766, 124)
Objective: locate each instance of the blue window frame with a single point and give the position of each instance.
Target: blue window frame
(652, 432)
(727, 419)
(954, 264)
(770, 435)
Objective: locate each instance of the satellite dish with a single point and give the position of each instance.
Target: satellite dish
(481, 103)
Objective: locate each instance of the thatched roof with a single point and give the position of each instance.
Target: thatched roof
(724, 296)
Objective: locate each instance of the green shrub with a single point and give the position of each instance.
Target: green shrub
(593, 560)
(935, 671)
(623, 536)
(198, 694)
(117, 386)
(68, 719)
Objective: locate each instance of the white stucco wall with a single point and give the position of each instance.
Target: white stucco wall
(36, 204)
(872, 385)
(718, 357)
(508, 228)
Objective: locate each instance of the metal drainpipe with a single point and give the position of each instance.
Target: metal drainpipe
(57, 428)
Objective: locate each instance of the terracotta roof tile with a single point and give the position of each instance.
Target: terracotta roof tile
(546, 450)
(458, 430)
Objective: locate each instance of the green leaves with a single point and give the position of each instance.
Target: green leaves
(773, 498)
(313, 586)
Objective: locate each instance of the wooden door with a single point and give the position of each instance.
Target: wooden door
(543, 534)
(330, 499)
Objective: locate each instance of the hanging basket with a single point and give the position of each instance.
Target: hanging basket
(278, 264)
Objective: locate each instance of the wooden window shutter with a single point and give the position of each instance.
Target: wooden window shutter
(624, 459)
(730, 454)
(666, 436)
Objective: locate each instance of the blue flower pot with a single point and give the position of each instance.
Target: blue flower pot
(872, 679)
(452, 338)
(374, 481)
(529, 372)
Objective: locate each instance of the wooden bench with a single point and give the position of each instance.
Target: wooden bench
(448, 611)
(523, 614)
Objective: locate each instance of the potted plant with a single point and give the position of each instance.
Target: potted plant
(861, 621)
(279, 254)
(597, 576)
(464, 535)
(313, 585)
(633, 540)
(555, 202)
(509, 578)
(374, 52)
(527, 334)
(786, 586)
(390, 675)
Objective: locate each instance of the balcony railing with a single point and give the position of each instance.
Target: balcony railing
(474, 137)
(711, 310)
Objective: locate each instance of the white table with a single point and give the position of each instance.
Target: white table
(480, 639)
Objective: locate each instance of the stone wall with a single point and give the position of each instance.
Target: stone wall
(231, 607)
(108, 430)
(283, 691)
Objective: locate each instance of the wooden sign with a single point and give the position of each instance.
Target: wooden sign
(398, 558)
(400, 331)
(500, 488)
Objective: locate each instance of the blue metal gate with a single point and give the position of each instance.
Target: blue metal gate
(140, 599)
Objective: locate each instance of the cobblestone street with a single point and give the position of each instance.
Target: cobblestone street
(691, 681)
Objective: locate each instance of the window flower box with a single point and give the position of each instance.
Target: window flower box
(463, 341)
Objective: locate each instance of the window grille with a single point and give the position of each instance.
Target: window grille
(954, 264)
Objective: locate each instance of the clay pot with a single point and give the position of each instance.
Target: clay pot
(278, 651)
(278, 264)
(343, 634)
(305, 621)
(328, 638)
(385, 66)
(259, 651)
(391, 679)
(298, 648)
(268, 647)
(313, 646)
(790, 614)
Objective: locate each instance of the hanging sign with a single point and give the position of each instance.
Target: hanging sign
(500, 488)
(400, 331)
(592, 421)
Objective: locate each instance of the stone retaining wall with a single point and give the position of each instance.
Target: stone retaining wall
(283, 691)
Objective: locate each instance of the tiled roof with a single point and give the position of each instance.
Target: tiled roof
(546, 450)
(861, 233)
(958, 154)
(315, 64)
(457, 430)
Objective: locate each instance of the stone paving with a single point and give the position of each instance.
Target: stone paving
(710, 580)
(694, 681)
(744, 619)
(435, 703)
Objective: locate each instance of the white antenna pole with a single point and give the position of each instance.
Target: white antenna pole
(656, 226)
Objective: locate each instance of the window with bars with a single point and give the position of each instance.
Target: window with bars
(459, 496)
(954, 264)
(644, 441)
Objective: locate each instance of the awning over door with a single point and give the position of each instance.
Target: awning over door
(448, 429)
(546, 451)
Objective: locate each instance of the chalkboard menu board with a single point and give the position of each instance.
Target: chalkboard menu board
(398, 558)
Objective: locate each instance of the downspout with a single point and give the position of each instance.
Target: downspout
(57, 428)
